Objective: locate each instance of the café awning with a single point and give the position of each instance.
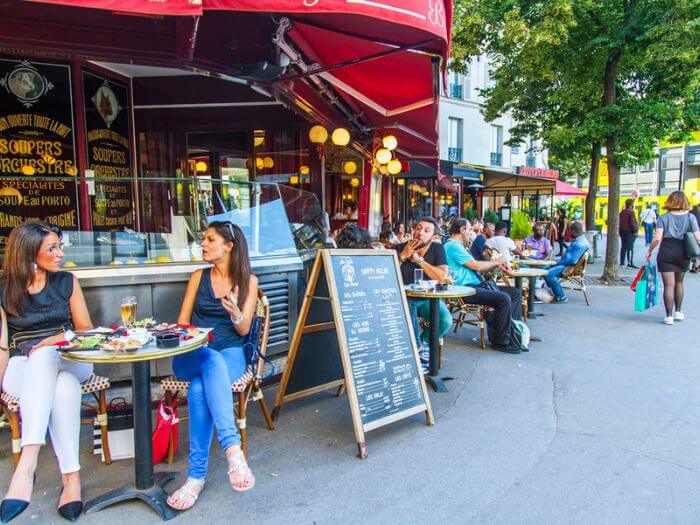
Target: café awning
(563, 189)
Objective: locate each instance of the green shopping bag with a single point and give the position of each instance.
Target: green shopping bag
(647, 294)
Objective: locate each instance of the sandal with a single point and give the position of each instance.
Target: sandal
(186, 491)
(237, 463)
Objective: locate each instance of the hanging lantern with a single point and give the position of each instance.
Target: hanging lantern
(294, 179)
(354, 182)
(383, 156)
(394, 167)
(200, 166)
(383, 170)
(318, 134)
(304, 170)
(259, 163)
(390, 142)
(401, 182)
(340, 137)
(268, 162)
(350, 167)
(258, 141)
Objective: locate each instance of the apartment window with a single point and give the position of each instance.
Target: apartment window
(496, 145)
(669, 167)
(456, 85)
(467, 91)
(649, 166)
(624, 169)
(454, 139)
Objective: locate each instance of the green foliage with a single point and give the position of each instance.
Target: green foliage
(491, 216)
(520, 226)
(470, 214)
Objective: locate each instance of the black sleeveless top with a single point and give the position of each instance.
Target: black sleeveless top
(208, 312)
(44, 310)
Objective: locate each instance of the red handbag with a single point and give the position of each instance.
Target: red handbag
(166, 425)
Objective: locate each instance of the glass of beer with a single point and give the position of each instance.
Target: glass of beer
(129, 307)
(516, 262)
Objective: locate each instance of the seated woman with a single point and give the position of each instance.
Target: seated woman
(222, 297)
(35, 296)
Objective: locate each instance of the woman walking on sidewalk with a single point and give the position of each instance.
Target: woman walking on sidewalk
(672, 259)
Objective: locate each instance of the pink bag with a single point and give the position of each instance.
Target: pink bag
(166, 425)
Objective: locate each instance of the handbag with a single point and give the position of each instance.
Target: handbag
(647, 294)
(120, 430)
(166, 426)
(22, 342)
(636, 279)
(692, 248)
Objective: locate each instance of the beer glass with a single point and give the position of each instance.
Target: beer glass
(128, 311)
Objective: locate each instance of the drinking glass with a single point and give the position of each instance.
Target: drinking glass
(417, 275)
(516, 262)
(129, 307)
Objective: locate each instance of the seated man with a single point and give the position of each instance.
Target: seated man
(487, 232)
(345, 214)
(538, 243)
(573, 254)
(421, 252)
(501, 242)
(506, 302)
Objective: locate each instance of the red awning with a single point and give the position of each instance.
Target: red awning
(141, 7)
(567, 190)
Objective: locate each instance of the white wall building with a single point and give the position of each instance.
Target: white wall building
(464, 134)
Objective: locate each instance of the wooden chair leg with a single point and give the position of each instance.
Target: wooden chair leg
(171, 436)
(440, 353)
(585, 295)
(13, 419)
(242, 422)
(102, 420)
(263, 405)
(482, 330)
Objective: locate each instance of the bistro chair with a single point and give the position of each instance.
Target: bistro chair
(471, 314)
(246, 388)
(95, 385)
(574, 277)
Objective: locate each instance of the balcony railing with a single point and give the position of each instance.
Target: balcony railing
(496, 159)
(456, 91)
(531, 161)
(454, 154)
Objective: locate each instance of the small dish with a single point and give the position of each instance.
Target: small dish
(168, 340)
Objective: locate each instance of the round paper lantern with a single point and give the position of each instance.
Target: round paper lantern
(268, 162)
(200, 166)
(259, 163)
(304, 170)
(318, 134)
(349, 167)
(383, 156)
(294, 179)
(401, 182)
(340, 137)
(354, 182)
(390, 142)
(394, 167)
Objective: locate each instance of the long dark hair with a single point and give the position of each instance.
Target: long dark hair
(18, 268)
(239, 263)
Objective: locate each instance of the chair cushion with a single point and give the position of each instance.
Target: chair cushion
(173, 384)
(94, 383)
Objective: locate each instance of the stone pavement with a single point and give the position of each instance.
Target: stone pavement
(600, 423)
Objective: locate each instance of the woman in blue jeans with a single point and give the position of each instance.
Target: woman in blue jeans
(222, 297)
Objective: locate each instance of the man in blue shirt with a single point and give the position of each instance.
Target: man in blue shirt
(480, 241)
(578, 247)
(506, 301)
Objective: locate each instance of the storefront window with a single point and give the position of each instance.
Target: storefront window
(447, 198)
(419, 199)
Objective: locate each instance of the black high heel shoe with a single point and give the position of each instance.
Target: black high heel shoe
(11, 508)
(71, 510)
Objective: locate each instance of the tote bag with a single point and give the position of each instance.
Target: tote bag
(647, 294)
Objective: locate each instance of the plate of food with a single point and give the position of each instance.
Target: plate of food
(123, 344)
(83, 342)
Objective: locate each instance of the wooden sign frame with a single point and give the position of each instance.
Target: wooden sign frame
(323, 260)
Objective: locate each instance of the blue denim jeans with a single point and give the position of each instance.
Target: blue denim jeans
(648, 232)
(210, 373)
(421, 308)
(552, 280)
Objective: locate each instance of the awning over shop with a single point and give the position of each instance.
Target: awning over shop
(507, 181)
(467, 173)
(563, 189)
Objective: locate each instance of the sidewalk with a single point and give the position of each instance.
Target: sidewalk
(598, 423)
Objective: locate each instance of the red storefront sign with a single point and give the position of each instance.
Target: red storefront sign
(540, 173)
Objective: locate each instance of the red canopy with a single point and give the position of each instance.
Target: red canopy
(144, 7)
(567, 190)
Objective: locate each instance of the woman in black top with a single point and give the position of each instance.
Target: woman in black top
(34, 295)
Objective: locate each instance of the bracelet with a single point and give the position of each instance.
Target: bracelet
(238, 321)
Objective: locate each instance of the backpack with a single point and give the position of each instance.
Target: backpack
(519, 334)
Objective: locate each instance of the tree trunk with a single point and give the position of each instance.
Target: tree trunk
(592, 187)
(612, 249)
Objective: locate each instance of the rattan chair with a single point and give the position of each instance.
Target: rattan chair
(574, 277)
(246, 388)
(471, 314)
(95, 385)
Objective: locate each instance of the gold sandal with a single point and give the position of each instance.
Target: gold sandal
(188, 490)
(237, 463)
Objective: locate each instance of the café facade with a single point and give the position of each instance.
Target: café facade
(129, 126)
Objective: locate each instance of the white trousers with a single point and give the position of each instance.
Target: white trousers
(49, 396)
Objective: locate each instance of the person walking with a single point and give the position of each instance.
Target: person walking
(562, 227)
(648, 218)
(628, 233)
(672, 259)
(695, 263)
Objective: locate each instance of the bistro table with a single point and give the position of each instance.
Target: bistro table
(454, 291)
(535, 262)
(531, 274)
(148, 486)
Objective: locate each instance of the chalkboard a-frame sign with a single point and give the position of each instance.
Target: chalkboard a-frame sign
(354, 332)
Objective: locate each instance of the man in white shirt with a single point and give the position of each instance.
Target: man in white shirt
(501, 242)
(648, 219)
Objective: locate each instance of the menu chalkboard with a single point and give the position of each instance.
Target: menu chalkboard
(360, 314)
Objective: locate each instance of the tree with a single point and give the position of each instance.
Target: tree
(583, 73)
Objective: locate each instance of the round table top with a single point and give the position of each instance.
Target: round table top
(526, 272)
(533, 262)
(147, 353)
(453, 291)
